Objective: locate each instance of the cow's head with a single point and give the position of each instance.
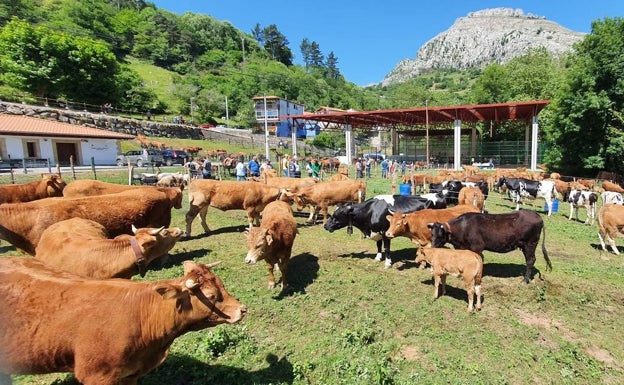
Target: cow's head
(421, 256)
(54, 185)
(501, 181)
(440, 233)
(342, 217)
(258, 242)
(201, 298)
(398, 224)
(155, 242)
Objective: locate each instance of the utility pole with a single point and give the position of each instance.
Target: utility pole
(192, 110)
(227, 114)
(427, 131)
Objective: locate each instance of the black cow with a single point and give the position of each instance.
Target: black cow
(500, 233)
(448, 189)
(370, 218)
(519, 187)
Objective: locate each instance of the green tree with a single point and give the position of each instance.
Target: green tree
(584, 128)
(276, 44)
(332, 66)
(49, 63)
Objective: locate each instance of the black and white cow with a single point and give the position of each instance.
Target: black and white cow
(587, 199)
(449, 190)
(519, 187)
(370, 218)
(611, 197)
(500, 233)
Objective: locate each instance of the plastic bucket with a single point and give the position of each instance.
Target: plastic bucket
(555, 206)
(405, 189)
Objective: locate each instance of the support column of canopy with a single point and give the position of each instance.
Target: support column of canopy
(534, 132)
(348, 144)
(293, 136)
(457, 145)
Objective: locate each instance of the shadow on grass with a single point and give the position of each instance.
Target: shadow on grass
(505, 270)
(8, 248)
(177, 259)
(302, 271)
(184, 370)
(454, 289)
(221, 230)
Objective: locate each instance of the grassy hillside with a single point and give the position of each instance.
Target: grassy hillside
(156, 78)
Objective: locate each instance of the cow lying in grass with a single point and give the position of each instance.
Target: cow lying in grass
(461, 263)
(109, 331)
(82, 247)
(273, 240)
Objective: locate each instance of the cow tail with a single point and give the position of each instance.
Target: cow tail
(544, 249)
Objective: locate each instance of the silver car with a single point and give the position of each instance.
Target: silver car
(138, 158)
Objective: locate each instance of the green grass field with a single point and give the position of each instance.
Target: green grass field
(350, 321)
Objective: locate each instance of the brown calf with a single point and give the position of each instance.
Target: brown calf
(82, 247)
(273, 240)
(471, 196)
(460, 263)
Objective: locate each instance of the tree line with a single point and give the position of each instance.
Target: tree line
(81, 50)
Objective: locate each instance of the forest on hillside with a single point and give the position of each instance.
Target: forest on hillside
(87, 50)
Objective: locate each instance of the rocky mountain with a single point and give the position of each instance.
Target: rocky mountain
(483, 37)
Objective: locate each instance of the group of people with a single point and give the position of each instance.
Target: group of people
(252, 168)
(202, 167)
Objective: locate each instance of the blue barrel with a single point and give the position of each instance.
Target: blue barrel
(555, 206)
(405, 189)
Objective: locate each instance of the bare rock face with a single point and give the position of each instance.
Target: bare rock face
(483, 37)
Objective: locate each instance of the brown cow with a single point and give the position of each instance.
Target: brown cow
(229, 195)
(461, 263)
(50, 185)
(273, 240)
(338, 177)
(82, 247)
(324, 194)
(291, 184)
(22, 224)
(89, 187)
(610, 224)
(610, 186)
(472, 196)
(415, 224)
(104, 331)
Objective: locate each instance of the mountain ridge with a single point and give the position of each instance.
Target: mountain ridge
(494, 35)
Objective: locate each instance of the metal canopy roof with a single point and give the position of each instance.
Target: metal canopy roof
(434, 115)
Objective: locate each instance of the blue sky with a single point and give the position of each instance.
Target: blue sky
(370, 37)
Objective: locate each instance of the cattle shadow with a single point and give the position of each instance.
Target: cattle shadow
(181, 369)
(221, 230)
(176, 259)
(506, 270)
(302, 272)
(8, 248)
(405, 255)
(595, 246)
(455, 289)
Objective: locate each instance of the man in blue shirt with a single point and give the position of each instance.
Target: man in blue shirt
(254, 166)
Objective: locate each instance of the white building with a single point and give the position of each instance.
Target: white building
(278, 111)
(35, 139)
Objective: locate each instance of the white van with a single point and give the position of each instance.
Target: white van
(379, 156)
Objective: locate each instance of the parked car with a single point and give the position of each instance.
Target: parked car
(138, 158)
(171, 157)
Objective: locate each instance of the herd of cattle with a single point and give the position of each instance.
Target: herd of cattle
(83, 233)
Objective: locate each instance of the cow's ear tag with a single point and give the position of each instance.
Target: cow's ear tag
(350, 230)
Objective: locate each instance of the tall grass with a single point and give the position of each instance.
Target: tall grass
(350, 321)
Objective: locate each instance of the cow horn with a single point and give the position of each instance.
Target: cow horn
(391, 212)
(213, 264)
(191, 284)
(155, 231)
(134, 229)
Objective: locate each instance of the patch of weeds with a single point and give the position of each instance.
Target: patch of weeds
(301, 370)
(361, 335)
(541, 294)
(221, 339)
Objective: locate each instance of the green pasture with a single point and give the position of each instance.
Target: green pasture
(350, 321)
